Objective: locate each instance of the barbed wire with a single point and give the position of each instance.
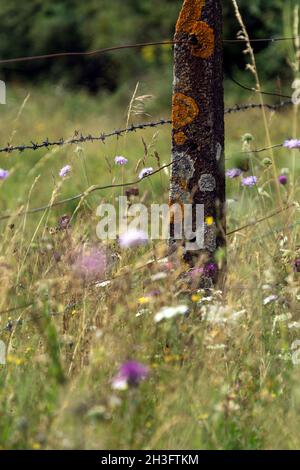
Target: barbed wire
(133, 46)
(254, 90)
(245, 107)
(79, 138)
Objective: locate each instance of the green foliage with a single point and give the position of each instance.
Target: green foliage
(41, 27)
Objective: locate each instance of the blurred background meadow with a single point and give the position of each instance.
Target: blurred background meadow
(117, 348)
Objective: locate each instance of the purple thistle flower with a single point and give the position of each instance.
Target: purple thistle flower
(133, 237)
(283, 179)
(297, 265)
(90, 265)
(119, 160)
(233, 173)
(292, 144)
(65, 171)
(145, 172)
(131, 373)
(249, 181)
(3, 174)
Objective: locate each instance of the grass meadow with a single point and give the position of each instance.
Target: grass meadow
(223, 376)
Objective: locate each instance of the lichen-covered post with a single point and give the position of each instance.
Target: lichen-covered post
(198, 127)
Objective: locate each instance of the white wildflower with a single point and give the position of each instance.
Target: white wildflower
(158, 276)
(269, 299)
(170, 312)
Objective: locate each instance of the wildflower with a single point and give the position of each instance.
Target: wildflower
(195, 273)
(65, 171)
(158, 276)
(294, 325)
(170, 312)
(249, 181)
(247, 138)
(196, 297)
(131, 373)
(209, 220)
(267, 161)
(221, 314)
(90, 265)
(103, 284)
(270, 299)
(154, 293)
(210, 270)
(64, 222)
(297, 265)
(132, 192)
(144, 300)
(233, 173)
(133, 237)
(283, 179)
(119, 160)
(145, 172)
(292, 144)
(3, 174)
(296, 354)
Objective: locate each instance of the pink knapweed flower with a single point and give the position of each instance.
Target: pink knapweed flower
(131, 373)
(90, 264)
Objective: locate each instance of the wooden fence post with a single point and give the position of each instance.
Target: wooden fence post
(198, 175)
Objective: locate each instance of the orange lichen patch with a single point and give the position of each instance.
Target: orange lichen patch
(185, 110)
(180, 138)
(190, 12)
(206, 40)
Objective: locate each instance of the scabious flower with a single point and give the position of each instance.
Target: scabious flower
(3, 174)
(90, 264)
(133, 237)
(233, 173)
(292, 144)
(145, 172)
(119, 160)
(170, 312)
(249, 181)
(65, 171)
(131, 373)
(282, 179)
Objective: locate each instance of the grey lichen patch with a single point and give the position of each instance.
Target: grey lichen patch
(177, 193)
(219, 151)
(207, 183)
(183, 166)
(210, 237)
